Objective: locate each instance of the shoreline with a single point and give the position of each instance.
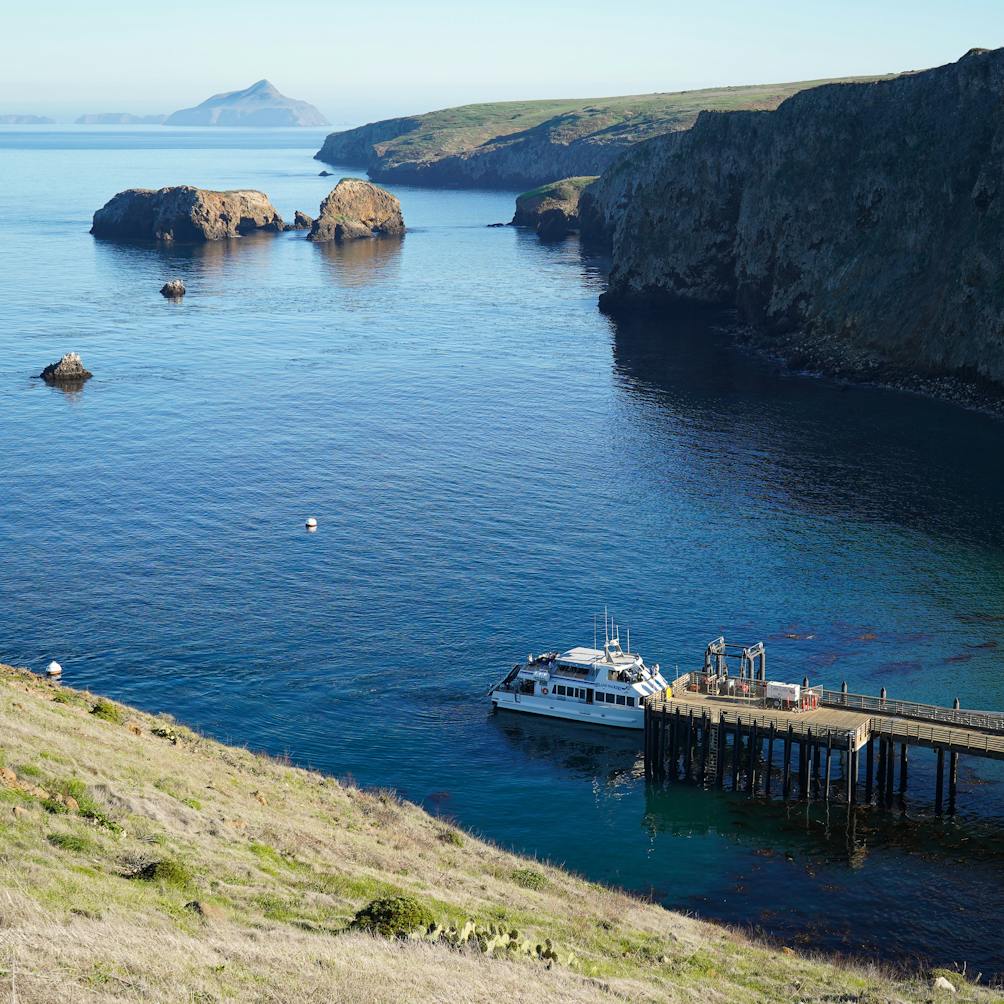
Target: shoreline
(264, 847)
(803, 358)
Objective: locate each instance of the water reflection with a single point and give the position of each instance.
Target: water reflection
(743, 424)
(358, 263)
(603, 756)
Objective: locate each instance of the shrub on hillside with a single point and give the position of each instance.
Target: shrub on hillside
(392, 916)
(106, 710)
(529, 878)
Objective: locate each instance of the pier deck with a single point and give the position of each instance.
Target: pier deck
(707, 736)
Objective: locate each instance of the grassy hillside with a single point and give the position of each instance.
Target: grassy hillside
(144, 862)
(526, 143)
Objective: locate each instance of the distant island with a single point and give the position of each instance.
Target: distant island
(261, 104)
(26, 120)
(523, 144)
(119, 118)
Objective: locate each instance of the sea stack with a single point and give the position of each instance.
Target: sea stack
(355, 209)
(184, 214)
(69, 370)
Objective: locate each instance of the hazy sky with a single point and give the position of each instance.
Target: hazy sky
(364, 60)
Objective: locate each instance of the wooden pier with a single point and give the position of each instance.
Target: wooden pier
(836, 746)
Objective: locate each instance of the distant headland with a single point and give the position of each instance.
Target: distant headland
(118, 118)
(26, 120)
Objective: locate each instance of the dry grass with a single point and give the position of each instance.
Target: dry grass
(279, 859)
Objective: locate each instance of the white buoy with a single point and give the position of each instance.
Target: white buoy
(311, 523)
(53, 669)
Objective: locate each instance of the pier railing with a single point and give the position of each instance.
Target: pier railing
(986, 721)
(938, 736)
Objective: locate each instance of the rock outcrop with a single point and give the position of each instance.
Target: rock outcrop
(552, 210)
(69, 370)
(858, 229)
(173, 289)
(184, 214)
(301, 221)
(261, 104)
(355, 209)
(521, 144)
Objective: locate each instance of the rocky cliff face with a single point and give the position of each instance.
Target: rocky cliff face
(521, 144)
(858, 228)
(355, 209)
(552, 210)
(184, 214)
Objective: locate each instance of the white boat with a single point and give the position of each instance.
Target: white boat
(605, 686)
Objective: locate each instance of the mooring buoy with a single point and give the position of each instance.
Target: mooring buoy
(311, 523)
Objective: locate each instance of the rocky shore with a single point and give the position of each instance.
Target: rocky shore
(184, 214)
(856, 230)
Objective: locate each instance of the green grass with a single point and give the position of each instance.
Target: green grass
(529, 878)
(617, 122)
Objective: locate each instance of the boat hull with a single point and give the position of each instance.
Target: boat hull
(572, 711)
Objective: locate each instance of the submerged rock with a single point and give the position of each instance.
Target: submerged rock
(185, 214)
(69, 370)
(173, 289)
(355, 209)
(301, 221)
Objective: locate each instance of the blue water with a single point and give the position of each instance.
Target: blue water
(490, 460)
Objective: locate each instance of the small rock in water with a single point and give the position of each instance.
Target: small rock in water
(69, 370)
(311, 523)
(173, 289)
(301, 221)
(324, 174)
(53, 669)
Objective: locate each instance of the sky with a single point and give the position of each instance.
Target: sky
(364, 60)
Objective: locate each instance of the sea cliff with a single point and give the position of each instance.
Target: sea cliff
(857, 229)
(522, 144)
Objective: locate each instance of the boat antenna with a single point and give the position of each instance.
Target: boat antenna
(629, 639)
(606, 632)
(594, 632)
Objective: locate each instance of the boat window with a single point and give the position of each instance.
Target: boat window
(621, 699)
(630, 702)
(559, 690)
(611, 698)
(581, 694)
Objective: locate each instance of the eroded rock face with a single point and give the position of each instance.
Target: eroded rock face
(355, 209)
(552, 210)
(69, 370)
(184, 214)
(857, 229)
(301, 221)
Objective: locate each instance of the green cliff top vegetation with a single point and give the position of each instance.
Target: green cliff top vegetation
(619, 121)
(144, 862)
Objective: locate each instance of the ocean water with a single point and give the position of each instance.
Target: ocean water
(491, 461)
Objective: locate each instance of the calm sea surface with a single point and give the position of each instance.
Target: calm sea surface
(490, 461)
